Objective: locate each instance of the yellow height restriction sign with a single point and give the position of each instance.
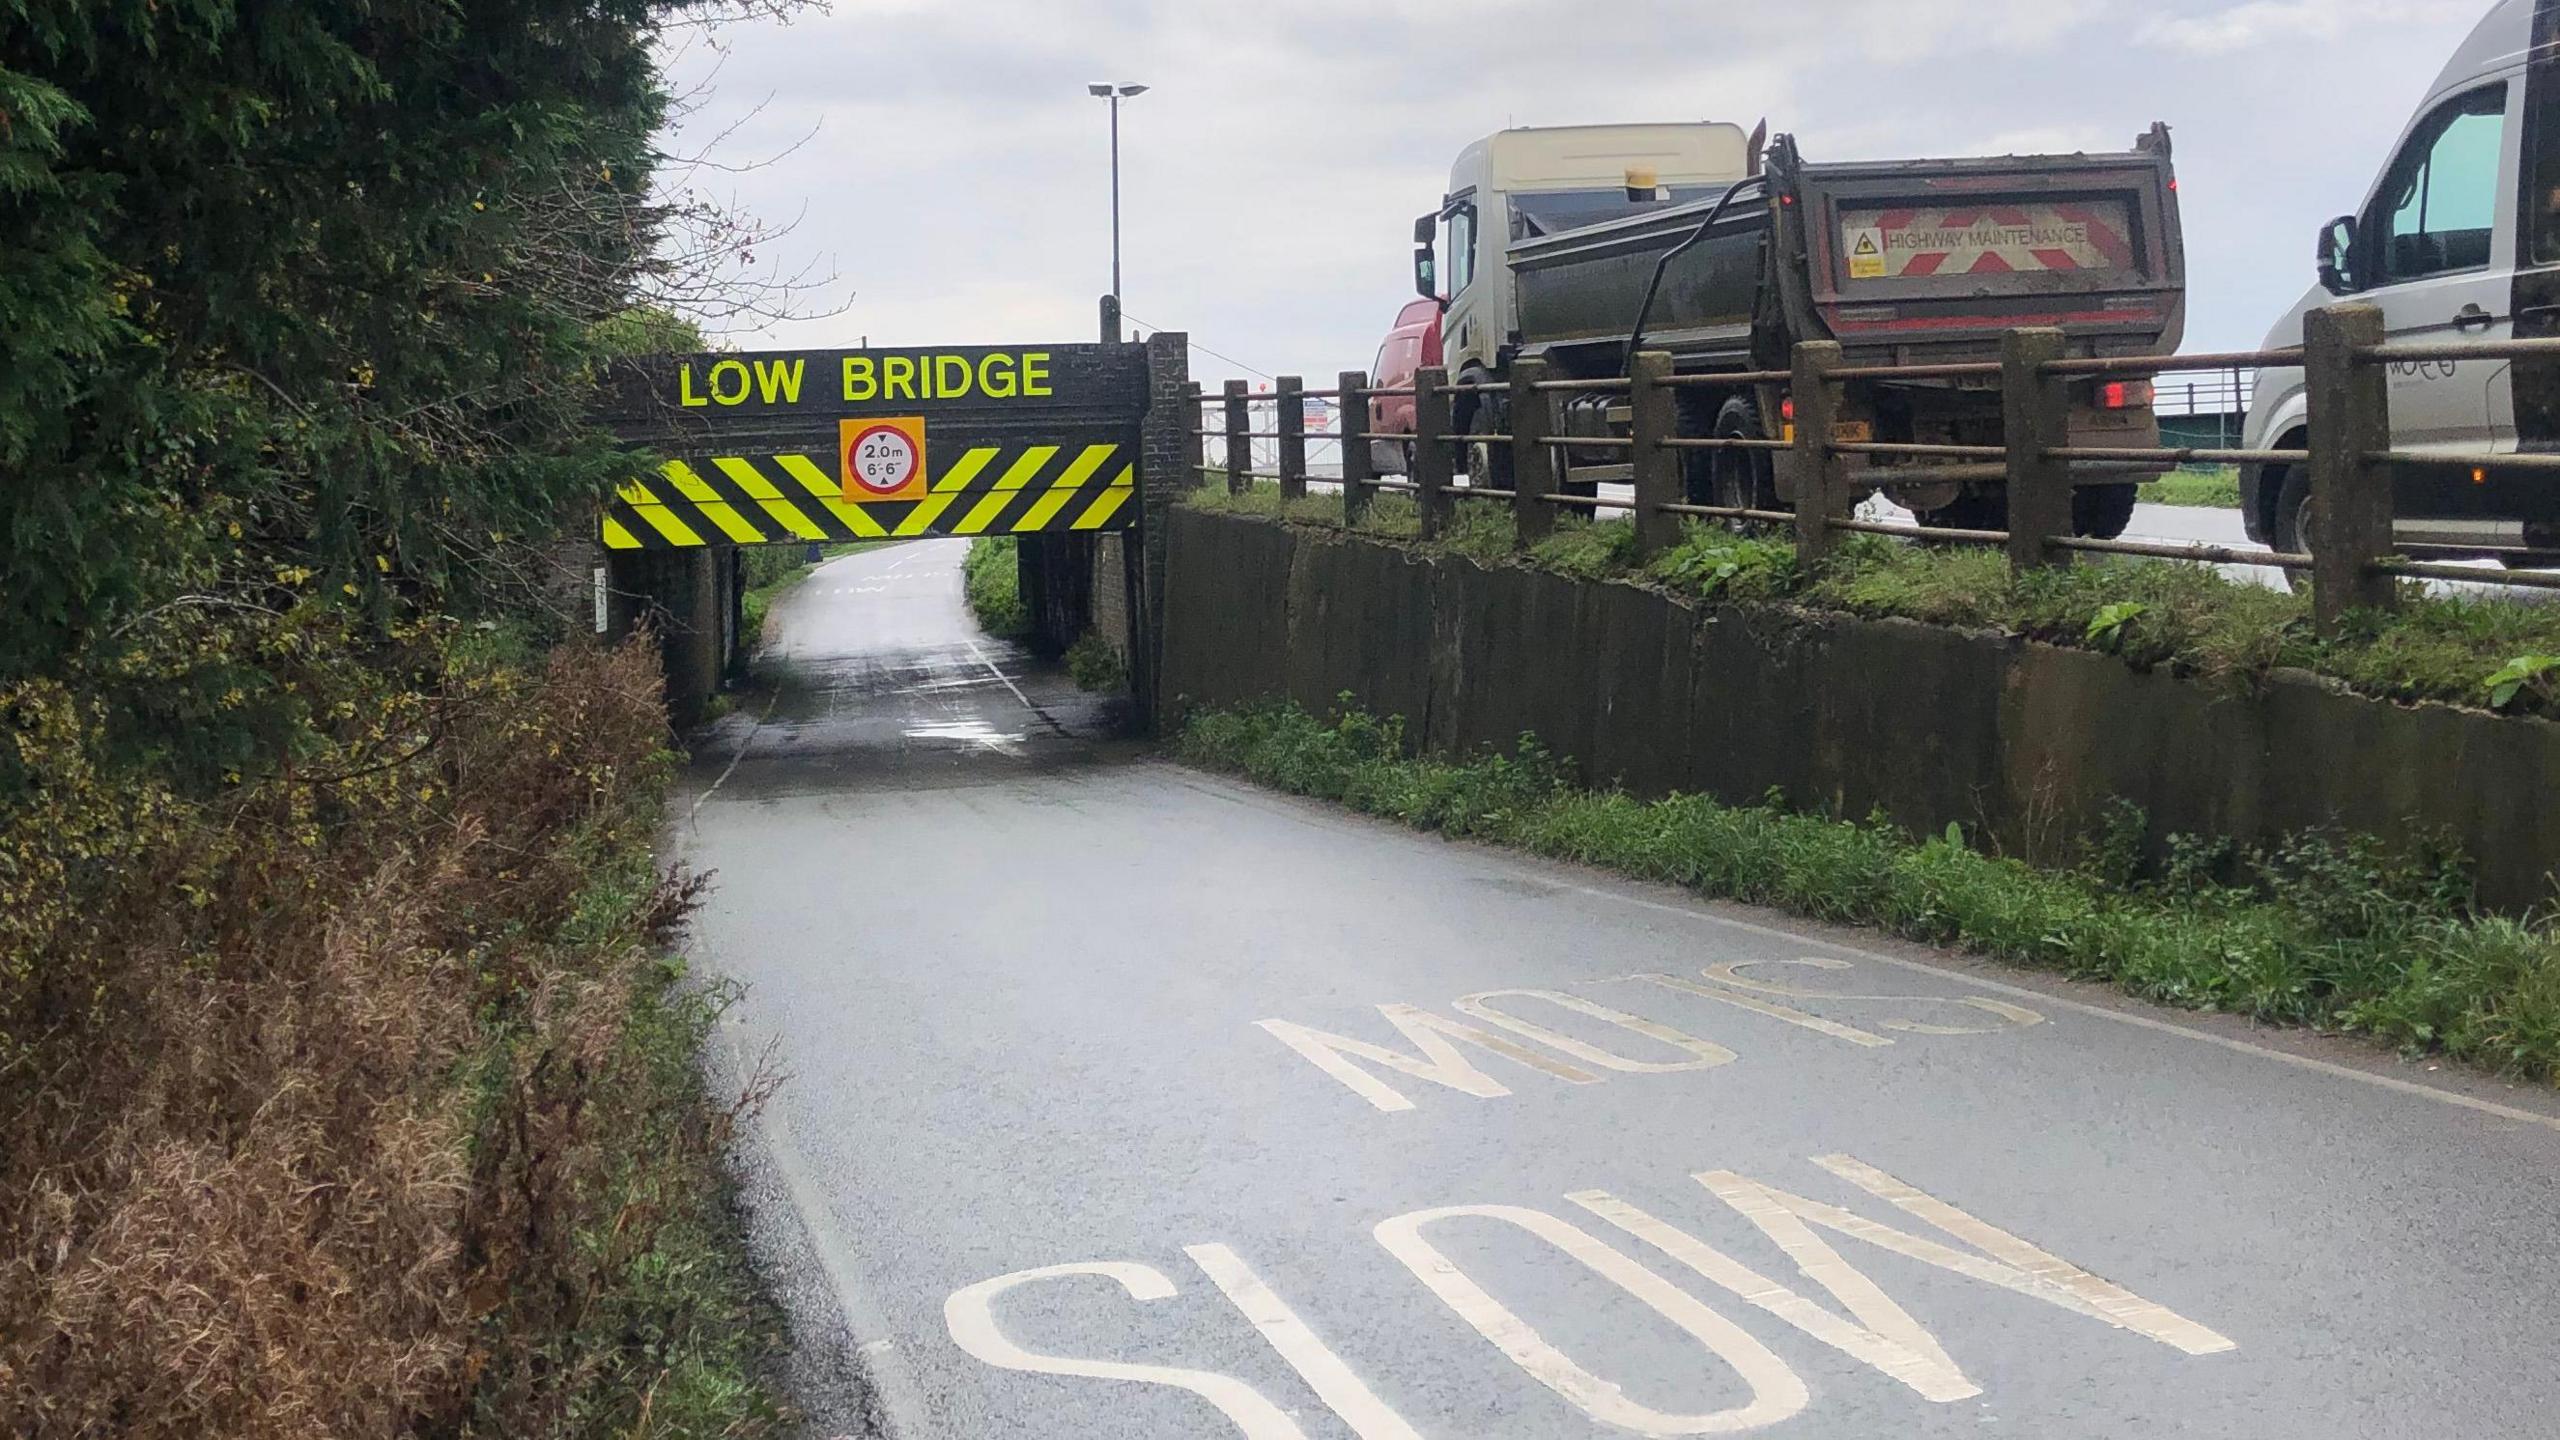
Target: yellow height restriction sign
(883, 459)
(790, 447)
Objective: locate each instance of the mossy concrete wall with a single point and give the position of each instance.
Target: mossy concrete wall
(2024, 741)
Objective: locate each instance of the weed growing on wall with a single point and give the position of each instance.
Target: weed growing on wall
(1094, 665)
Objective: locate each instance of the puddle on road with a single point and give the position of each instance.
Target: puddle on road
(970, 731)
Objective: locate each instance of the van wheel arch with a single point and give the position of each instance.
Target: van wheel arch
(2262, 487)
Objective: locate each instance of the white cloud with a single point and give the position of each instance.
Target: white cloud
(2264, 22)
(958, 178)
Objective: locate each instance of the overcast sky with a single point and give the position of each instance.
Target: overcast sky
(953, 174)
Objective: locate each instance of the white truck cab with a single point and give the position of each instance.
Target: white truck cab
(2458, 240)
(1515, 185)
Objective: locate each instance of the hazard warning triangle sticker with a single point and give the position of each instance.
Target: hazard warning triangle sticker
(1866, 253)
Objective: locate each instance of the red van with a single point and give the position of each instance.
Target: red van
(1412, 344)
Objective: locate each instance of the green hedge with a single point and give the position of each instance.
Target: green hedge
(991, 581)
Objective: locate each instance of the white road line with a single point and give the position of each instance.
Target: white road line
(2045, 997)
(693, 816)
(995, 670)
(884, 1367)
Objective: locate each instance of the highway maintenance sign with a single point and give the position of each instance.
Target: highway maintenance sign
(790, 447)
(2009, 239)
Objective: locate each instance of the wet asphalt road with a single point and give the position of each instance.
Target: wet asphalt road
(1065, 1149)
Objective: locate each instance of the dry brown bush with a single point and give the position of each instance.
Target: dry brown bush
(311, 1093)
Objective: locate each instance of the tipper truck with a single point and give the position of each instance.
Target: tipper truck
(1555, 236)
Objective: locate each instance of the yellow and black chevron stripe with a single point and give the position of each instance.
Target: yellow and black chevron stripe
(790, 499)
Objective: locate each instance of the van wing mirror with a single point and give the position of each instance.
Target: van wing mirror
(2337, 255)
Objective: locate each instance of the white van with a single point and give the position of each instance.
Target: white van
(2458, 241)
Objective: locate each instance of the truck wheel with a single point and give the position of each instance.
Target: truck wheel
(1488, 463)
(1740, 479)
(2102, 511)
(1968, 512)
(2289, 527)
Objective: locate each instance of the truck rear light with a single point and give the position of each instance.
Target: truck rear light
(2124, 395)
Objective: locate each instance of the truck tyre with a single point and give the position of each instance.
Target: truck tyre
(2289, 526)
(1488, 464)
(2101, 512)
(1739, 479)
(1968, 512)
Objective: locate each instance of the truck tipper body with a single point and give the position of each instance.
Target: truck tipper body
(1901, 262)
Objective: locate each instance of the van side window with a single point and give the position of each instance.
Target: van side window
(2438, 208)
(1462, 248)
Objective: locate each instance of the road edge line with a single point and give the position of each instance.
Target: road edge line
(897, 1399)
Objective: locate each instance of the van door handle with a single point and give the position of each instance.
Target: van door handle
(2538, 312)
(2473, 317)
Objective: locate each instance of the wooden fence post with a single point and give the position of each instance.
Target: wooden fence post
(1195, 445)
(2350, 492)
(1431, 448)
(1821, 475)
(1655, 411)
(1239, 439)
(1533, 460)
(1289, 398)
(2035, 417)
(1352, 420)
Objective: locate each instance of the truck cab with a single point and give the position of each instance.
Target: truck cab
(2457, 241)
(1413, 344)
(1516, 185)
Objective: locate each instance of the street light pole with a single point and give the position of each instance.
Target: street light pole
(1115, 196)
(1114, 94)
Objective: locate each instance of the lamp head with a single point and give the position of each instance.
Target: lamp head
(1099, 90)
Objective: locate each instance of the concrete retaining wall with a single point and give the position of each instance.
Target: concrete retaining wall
(2024, 740)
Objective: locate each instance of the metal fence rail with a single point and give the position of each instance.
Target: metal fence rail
(2349, 450)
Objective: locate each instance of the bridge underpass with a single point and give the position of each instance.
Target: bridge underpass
(1125, 1100)
(1067, 448)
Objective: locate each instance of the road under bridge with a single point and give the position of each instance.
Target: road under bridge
(1130, 1101)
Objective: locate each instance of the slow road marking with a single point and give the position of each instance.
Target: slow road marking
(1876, 1331)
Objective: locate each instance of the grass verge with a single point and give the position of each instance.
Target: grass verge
(2487, 653)
(771, 571)
(2319, 931)
(2218, 487)
(991, 581)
